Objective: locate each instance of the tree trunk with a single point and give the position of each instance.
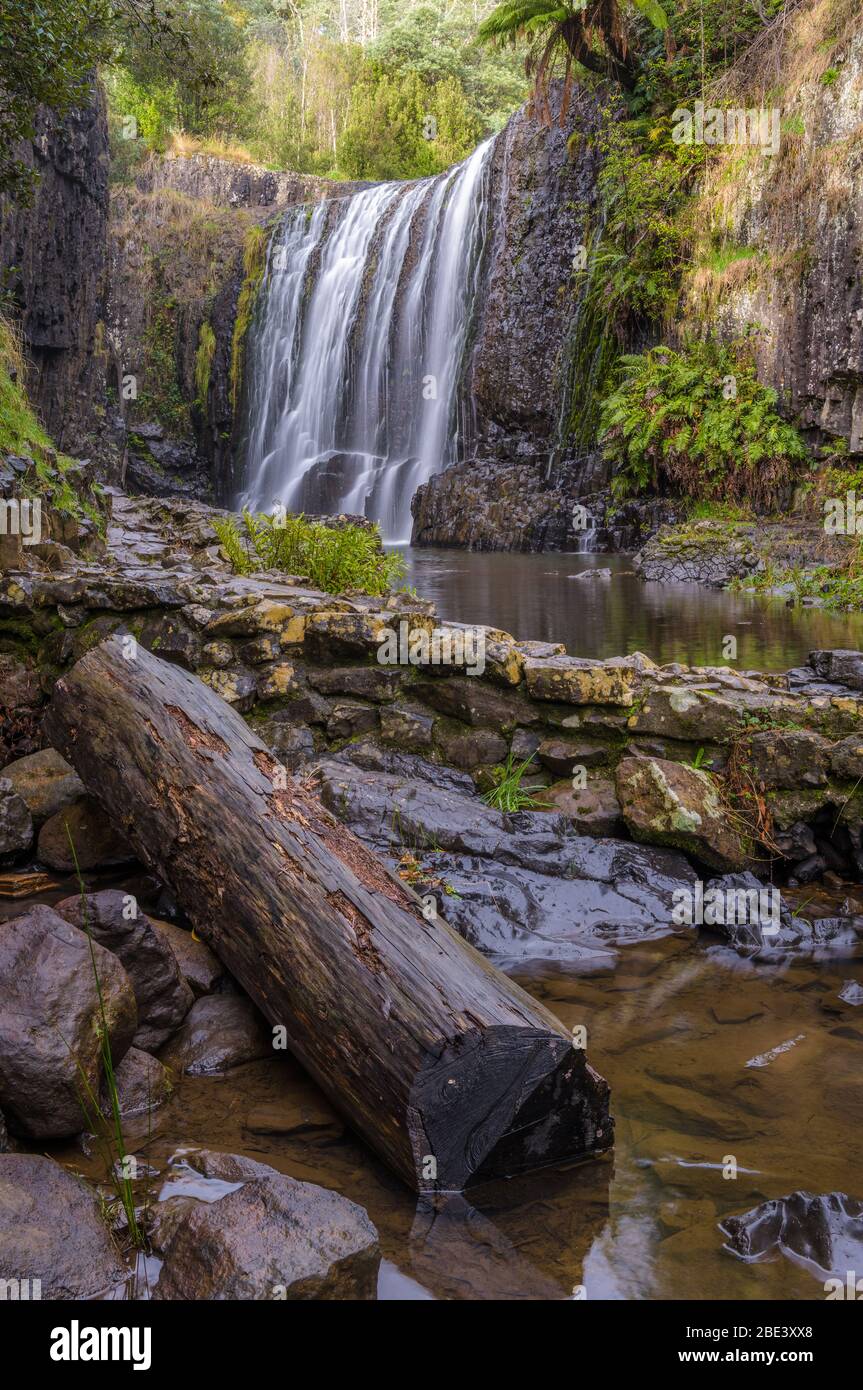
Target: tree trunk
(447, 1068)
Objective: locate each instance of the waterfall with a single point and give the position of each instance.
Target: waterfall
(357, 351)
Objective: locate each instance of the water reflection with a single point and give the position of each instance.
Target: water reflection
(537, 597)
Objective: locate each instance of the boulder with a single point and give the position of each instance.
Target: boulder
(667, 803)
(349, 719)
(19, 682)
(201, 970)
(841, 667)
(46, 782)
(560, 755)
(16, 824)
(573, 681)
(789, 758)
(824, 1231)
(846, 758)
(50, 1022)
(53, 1233)
(221, 1031)
(262, 1235)
(469, 748)
(162, 995)
(142, 1084)
(591, 810)
(97, 843)
(409, 728)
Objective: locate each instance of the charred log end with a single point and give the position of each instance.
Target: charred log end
(501, 1102)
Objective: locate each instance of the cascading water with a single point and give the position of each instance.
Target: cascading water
(356, 356)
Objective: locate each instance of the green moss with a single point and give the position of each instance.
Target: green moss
(20, 431)
(161, 397)
(203, 362)
(254, 261)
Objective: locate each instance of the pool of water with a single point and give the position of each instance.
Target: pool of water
(686, 1033)
(540, 597)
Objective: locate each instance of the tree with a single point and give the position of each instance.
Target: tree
(597, 34)
(50, 50)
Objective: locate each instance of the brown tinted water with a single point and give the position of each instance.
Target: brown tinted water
(537, 597)
(685, 1032)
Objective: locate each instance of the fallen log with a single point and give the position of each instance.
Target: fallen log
(446, 1067)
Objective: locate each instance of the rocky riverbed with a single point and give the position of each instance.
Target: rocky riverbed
(656, 785)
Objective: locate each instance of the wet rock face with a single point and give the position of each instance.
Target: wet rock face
(161, 994)
(49, 1016)
(809, 346)
(52, 256)
(825, 1233)
(540, 191)
(520, 887)
(258, 1234)
(52, 1231)
(668, 803)
(220, 1031)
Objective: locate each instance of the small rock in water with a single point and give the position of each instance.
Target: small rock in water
(852, 993)
(825, 1234)
(221, 1031)
(267, 1237)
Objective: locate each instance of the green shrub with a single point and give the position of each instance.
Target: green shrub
(699, 423)
(336, 560)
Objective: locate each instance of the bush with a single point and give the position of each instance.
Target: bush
(337, 560)
(698, 422)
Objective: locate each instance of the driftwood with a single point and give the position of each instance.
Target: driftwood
(446, 1067)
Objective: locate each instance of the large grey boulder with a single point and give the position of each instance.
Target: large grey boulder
(54, 1243)
(162, 995)
(259, 1234)
(50, 1049)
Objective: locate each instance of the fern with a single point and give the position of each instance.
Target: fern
(671, 423)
